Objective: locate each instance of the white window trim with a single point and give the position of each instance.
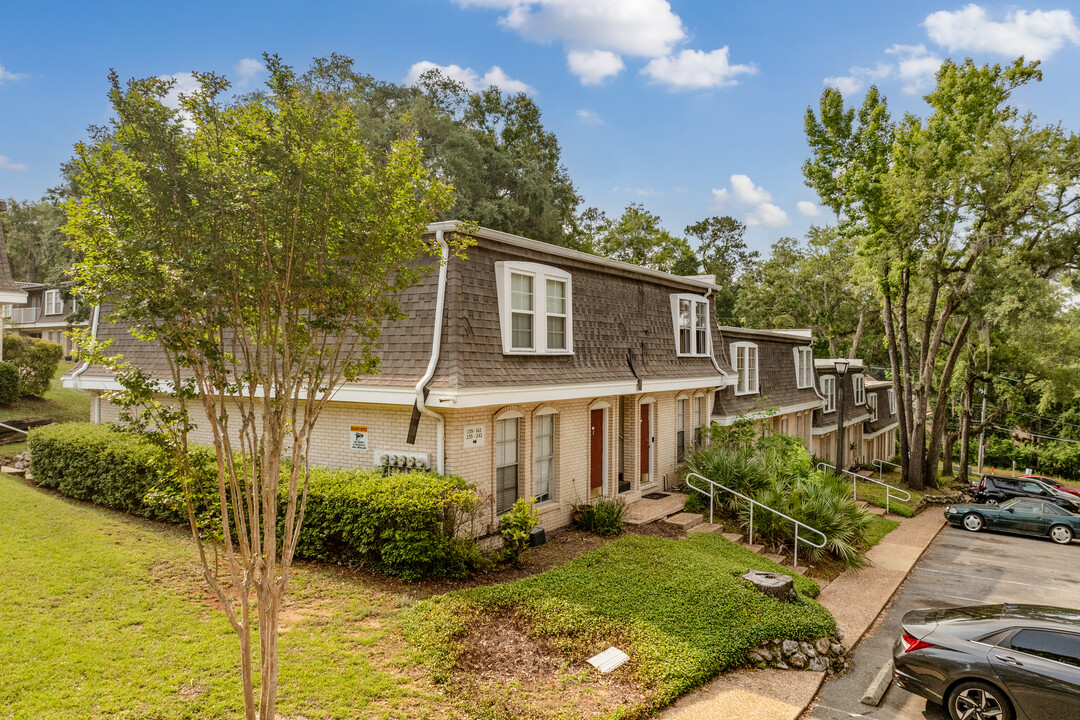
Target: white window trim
(7, 311)
(892, 401)
(540, 274)
(858, 385)
(828, 390)
(52, 299)
(871, 404)
(807, 382)
(694, 301)
(740, 388)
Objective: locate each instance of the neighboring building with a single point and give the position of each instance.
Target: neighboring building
(10, 292)
(879, 431)
(826, 418)
(44, 313)
(775, 380)
(560, 376)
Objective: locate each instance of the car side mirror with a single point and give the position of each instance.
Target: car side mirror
(1011, 510)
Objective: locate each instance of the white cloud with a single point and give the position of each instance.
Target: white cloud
(645, 28)
(470, 78)
(767, 215)
(807, 208)
(8, 76)
(858, 78)
(696, 69)
(183, 82)
(1035, 35)
(743, 192)
(7, 163)
(645, 192)
(247, 69)
(590, 117)
(916, 67)
(595, 66)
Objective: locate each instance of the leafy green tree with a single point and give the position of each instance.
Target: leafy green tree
(259, 243)
(37, 247)
(723, 254)
(637, 237)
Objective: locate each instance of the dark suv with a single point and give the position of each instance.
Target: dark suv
(994, 489)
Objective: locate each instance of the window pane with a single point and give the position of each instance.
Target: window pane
(700, 327)
(521, 331)
(556, 333)
(521, 292)
(556, 297)
(544, 449)
(1059, 646)
(684, 313)
(702, 343)
(684, 340)
(740, 368)
(506, 469)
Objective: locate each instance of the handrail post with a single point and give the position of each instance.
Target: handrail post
(888, 494)
(712, 492)
(751, 522)
(855, 488)
(795, 564)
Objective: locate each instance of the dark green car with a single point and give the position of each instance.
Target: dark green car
(1019, 515)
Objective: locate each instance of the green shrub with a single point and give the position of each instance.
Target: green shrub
(604, 516)
(695, 502)
(9, 383)
(514, 527)
(742, 470)
(36, 360)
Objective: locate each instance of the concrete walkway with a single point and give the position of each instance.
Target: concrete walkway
(855, 599)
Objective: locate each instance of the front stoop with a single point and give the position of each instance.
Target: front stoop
(643, 512)
(685, 520)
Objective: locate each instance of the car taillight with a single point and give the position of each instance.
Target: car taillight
(982, 484)
(912, 644)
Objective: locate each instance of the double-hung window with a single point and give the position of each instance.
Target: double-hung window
(892, 401)
(745, 356)
(544, 457)
(54, 304)
(699, 420)
(804, 367)
(506, 463)
(871, 404)
(858, 383)
(828, 389)
(680, 429)
(535, 309)
(690, 315)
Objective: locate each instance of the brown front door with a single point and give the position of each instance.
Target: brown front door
(596, 452)
(645, 444)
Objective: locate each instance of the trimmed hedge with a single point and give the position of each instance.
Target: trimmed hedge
(36, 360)
(9, 383)
(402, 524)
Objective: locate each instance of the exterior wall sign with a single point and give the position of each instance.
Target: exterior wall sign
(474, 436)
(358, 439)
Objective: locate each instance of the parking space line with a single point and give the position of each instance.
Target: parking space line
(982, 577)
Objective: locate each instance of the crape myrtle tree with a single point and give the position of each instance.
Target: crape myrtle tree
(259, 243)
(936, 204)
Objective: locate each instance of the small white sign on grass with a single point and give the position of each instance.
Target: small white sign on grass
(608, 660)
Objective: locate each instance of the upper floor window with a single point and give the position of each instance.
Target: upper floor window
(858, 383)
(871, 404)
(535, 308)
(828, 389)
(892, 401)
(54, 304)
(691, 317)
(804, 367)
(74, 304)
(746, 367)
(7, 311)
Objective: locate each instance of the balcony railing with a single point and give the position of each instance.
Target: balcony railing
(25, 316)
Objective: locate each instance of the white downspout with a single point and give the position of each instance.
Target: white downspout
(436, 343)
(712, 355)
(93, 333)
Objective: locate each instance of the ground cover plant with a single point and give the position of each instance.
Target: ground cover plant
(677, 607)
(109, 617)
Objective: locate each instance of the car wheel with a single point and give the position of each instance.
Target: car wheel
(974, 700)
(991, 501)
(1061, 534)
(973, 522)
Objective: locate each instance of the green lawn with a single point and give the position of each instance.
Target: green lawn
(879, 528)
(677, 607)
(874, 494)
(106, 616)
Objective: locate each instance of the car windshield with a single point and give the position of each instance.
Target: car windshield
(1009, 503)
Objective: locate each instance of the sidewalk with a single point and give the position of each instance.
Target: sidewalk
(854, 598)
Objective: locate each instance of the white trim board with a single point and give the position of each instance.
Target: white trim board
(847, 424)
(762, 415)
(871, 436)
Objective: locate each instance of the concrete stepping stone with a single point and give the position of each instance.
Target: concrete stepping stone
(684, 520)
(733, 537)
(12, 471)
(705, 528)
(778, 559)
(754, 548)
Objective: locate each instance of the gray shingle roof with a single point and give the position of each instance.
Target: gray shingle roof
(777, 379)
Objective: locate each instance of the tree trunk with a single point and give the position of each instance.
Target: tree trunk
(859, 330)
(947, 454)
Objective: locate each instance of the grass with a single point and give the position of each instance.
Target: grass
(677, 607)
(874, 494)
(59, 404)
(879, 528)
(107, 616)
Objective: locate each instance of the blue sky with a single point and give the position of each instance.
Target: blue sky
(691, 108)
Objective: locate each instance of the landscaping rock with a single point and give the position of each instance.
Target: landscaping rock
(789, 648)
(818, 665)
(824, 654)
(781, 587)
(798, 661)
(822, 646)
(807, 649)
(836, 649)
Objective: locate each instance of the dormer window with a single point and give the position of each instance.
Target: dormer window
(804, 367)
(690, 314)
(858, 383)
(54, 304)
(535, 309)
(746, 367)
(871, 405)
(828, 389)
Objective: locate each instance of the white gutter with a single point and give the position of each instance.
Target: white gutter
(712, 355)
(74, 377)
(436, 343)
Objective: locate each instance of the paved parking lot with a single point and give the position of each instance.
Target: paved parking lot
(959, 568)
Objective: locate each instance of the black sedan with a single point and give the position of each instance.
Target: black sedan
(1019, 515)
(993, 662)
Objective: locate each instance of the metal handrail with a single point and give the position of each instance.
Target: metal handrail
(880, 470)
(855, 478)
(750, 536)
(9, 427)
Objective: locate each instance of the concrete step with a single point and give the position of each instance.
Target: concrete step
(800, 570)
(643, 512)
(754, 548)
(875, 510)
(733, 537)
(12, 471)
(862, 503)
(705, 528)
(778, 559)
(685, 520)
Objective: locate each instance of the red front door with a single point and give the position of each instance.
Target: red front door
(596, 452)
(645, 444)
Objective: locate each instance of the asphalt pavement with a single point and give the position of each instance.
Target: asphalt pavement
(959, 568)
